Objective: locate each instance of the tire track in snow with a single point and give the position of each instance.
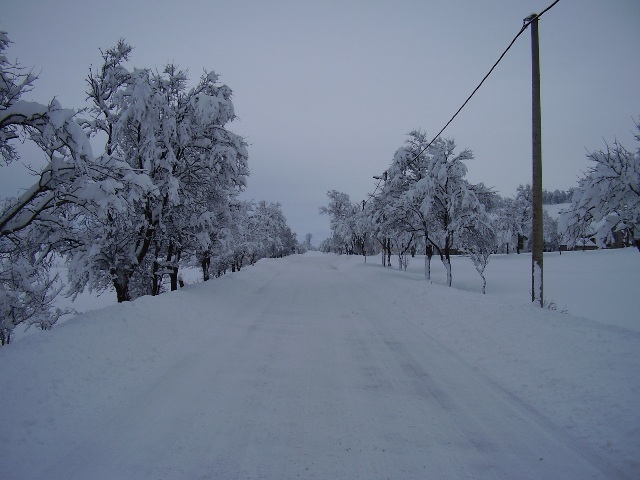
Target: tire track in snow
(311, 374)
(428, 389)
(151, 425)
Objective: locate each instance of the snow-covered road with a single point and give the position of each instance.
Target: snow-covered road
(306, 369)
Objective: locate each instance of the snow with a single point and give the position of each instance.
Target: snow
(556, 210)
(23, 108)
(323, 366)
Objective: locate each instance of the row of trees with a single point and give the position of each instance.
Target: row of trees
(424, 203)
(163, 193)
(556, 196)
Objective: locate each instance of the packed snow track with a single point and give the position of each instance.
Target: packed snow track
(295, 368)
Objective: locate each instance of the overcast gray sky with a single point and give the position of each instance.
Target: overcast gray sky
(326, 91)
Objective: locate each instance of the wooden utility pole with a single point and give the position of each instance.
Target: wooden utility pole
(536, 137)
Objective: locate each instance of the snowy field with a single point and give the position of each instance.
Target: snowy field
(322, 366)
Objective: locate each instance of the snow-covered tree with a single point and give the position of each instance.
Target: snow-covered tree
(274, 236)
(27, 288)
(112, 246)
(506, 224)
(430, 181)
(479, 244)
(37, 221)
(513, 220)
(210, 164)
(364, 231)
(402, 243)
(185, 166)
(522, 215)
(382, 221)
(551, 234)
(307, 245)
(607, 197)
(342, 217)
(401, 204)
(557, 196)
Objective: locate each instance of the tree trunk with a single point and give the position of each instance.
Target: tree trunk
(174, 279)
(521, 245)
(205, 264)
(174, 271)
(388, 252)
(447, 266)
(383, 244)
(121, 284)
(428, 253)
(447, 261)
(157, 275)
(5, 336)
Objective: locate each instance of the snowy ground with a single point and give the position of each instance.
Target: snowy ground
(321, 366)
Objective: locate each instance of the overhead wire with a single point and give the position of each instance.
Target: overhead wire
(526, 22)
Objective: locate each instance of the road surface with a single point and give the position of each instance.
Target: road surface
(308, 371)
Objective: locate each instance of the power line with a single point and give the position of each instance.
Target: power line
(526, 23)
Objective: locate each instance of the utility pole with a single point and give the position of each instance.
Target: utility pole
(536, 137)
